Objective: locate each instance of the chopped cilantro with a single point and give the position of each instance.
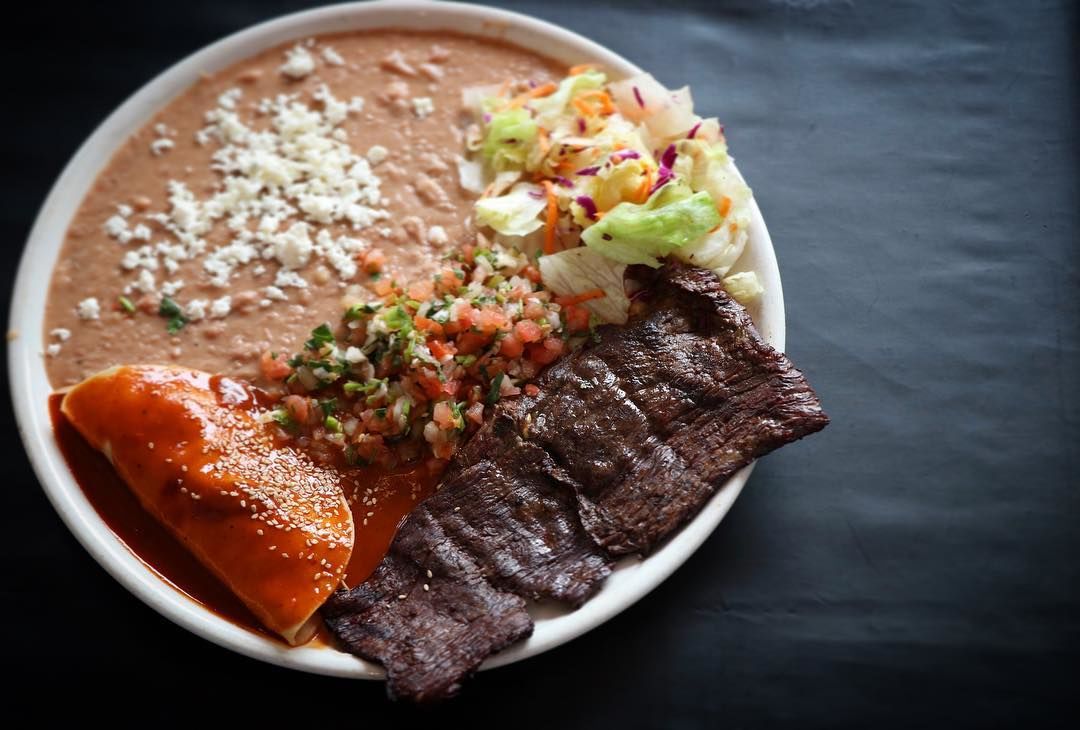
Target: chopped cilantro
(328, 406)
(359, 311)
(126, 304)
(493, 391)
(170, 309)
(320, 336)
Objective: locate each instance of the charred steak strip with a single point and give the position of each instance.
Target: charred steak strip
(625, 442)
(449, 594)
(429, 632)
(657, 415)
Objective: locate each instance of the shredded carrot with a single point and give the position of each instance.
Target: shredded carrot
(642, 193)
(579, 298)
(732, 227)
(505, 87)
(583, 108)
(580, 69)
(540, 91)
(544, 141)
(552, 217)
(607, 106)
(724, 207)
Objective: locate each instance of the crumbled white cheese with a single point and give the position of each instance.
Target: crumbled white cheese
(274, 293)
(423, 106)
(220, 308)
(436, 236)
(160, 146)
(124, 210)
(354, 355)
(298, 63)
(88, 308)
(286, 278)
(229, 98)
(356, 104)
(141, 232)
(377, 153)
(170, 288)
(293, 248)
(332, 57)
(117, 227)
(196, 309)
(61, 334)
(146, 283)
(52, 350)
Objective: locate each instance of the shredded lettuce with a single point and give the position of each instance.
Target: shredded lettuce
(744, 287)
(507, 139)
(549, 108)
(581, 269)
(514, 214)
(637, 234)
(717, 251)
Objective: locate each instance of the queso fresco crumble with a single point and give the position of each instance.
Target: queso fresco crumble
(271, 196)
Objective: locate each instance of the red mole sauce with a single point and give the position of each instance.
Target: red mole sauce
(378, 510)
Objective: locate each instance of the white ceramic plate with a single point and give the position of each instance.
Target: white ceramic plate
(632, 579)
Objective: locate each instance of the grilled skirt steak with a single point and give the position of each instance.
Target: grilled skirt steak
(625, 442)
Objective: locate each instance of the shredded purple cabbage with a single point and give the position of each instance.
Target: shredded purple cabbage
(667, 161)
(587, 203)
(625, 155)
(637, 95)
(693, 131)
(588, 171)
(487, 117)
(563, 182)
(581, 125)
(535, 194)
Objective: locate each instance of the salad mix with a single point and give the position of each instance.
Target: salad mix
(576, 181)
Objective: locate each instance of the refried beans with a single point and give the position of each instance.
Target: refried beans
(397, 99)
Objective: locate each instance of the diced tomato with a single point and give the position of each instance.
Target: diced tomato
(577, 318)
(512, 346)
(490, 321)
(471, 342)
(531, 389)
(374, 261)
(442, 415)
(421, 290)
(431, 385)
(468, 252)
(475, 413)
(450, 387)
(547, 351)
(274, 368)
(441, 349)
(297, 406)
(534, 309)
(531, 273)
(383, 287)
(528, 331)
(428, 325)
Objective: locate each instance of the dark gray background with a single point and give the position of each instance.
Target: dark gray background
(915, 564)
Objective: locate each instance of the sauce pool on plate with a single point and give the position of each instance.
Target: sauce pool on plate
(378, 511)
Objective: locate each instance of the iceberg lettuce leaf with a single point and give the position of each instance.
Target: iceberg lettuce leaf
(514, 214)
(638, 234)
(578, 270)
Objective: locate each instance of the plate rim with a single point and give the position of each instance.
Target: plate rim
(634, 577)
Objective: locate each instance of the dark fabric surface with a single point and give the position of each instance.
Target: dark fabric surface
(913, 565)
